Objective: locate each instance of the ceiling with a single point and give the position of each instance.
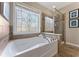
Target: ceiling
(58, 5)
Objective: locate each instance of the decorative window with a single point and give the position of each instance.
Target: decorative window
(6, 10)
(26, 21)
(49, 24)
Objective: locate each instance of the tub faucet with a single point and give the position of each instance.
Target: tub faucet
(46, 38)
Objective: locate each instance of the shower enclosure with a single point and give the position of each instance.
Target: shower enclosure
(59, 23)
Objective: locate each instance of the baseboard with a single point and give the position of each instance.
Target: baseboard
(72, 44)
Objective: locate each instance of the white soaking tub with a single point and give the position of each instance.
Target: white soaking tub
(31, 47)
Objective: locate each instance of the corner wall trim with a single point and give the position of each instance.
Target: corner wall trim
(72, 44)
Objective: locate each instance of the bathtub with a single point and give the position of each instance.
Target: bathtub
(31, 47)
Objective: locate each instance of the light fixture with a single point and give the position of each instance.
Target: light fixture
(54, 6)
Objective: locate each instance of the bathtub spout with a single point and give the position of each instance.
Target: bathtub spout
(46, 38)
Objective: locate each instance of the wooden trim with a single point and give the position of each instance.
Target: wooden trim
(25, 36)
(0, 7)
(64, 27)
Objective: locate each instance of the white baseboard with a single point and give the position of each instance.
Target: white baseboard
(72, 44)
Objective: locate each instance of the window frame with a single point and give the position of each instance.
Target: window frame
(14, 21)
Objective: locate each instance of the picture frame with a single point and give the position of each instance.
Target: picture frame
(74, 14)
(74, 23)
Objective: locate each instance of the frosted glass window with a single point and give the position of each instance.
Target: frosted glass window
(6, 10)
(27, 21)
(49, 24)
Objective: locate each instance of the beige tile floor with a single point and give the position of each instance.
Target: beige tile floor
(68, 51)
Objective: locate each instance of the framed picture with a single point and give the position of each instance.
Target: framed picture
(74, 13)
(74, 23)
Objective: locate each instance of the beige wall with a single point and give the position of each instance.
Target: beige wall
(71, 34)
(4, 30)
(4, 33)
(39, 7)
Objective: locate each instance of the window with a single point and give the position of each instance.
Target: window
(49, 24)
(26, 21)
(6, 10)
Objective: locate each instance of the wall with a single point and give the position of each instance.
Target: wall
(71, 34)
(4, 31)
(38, 8)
